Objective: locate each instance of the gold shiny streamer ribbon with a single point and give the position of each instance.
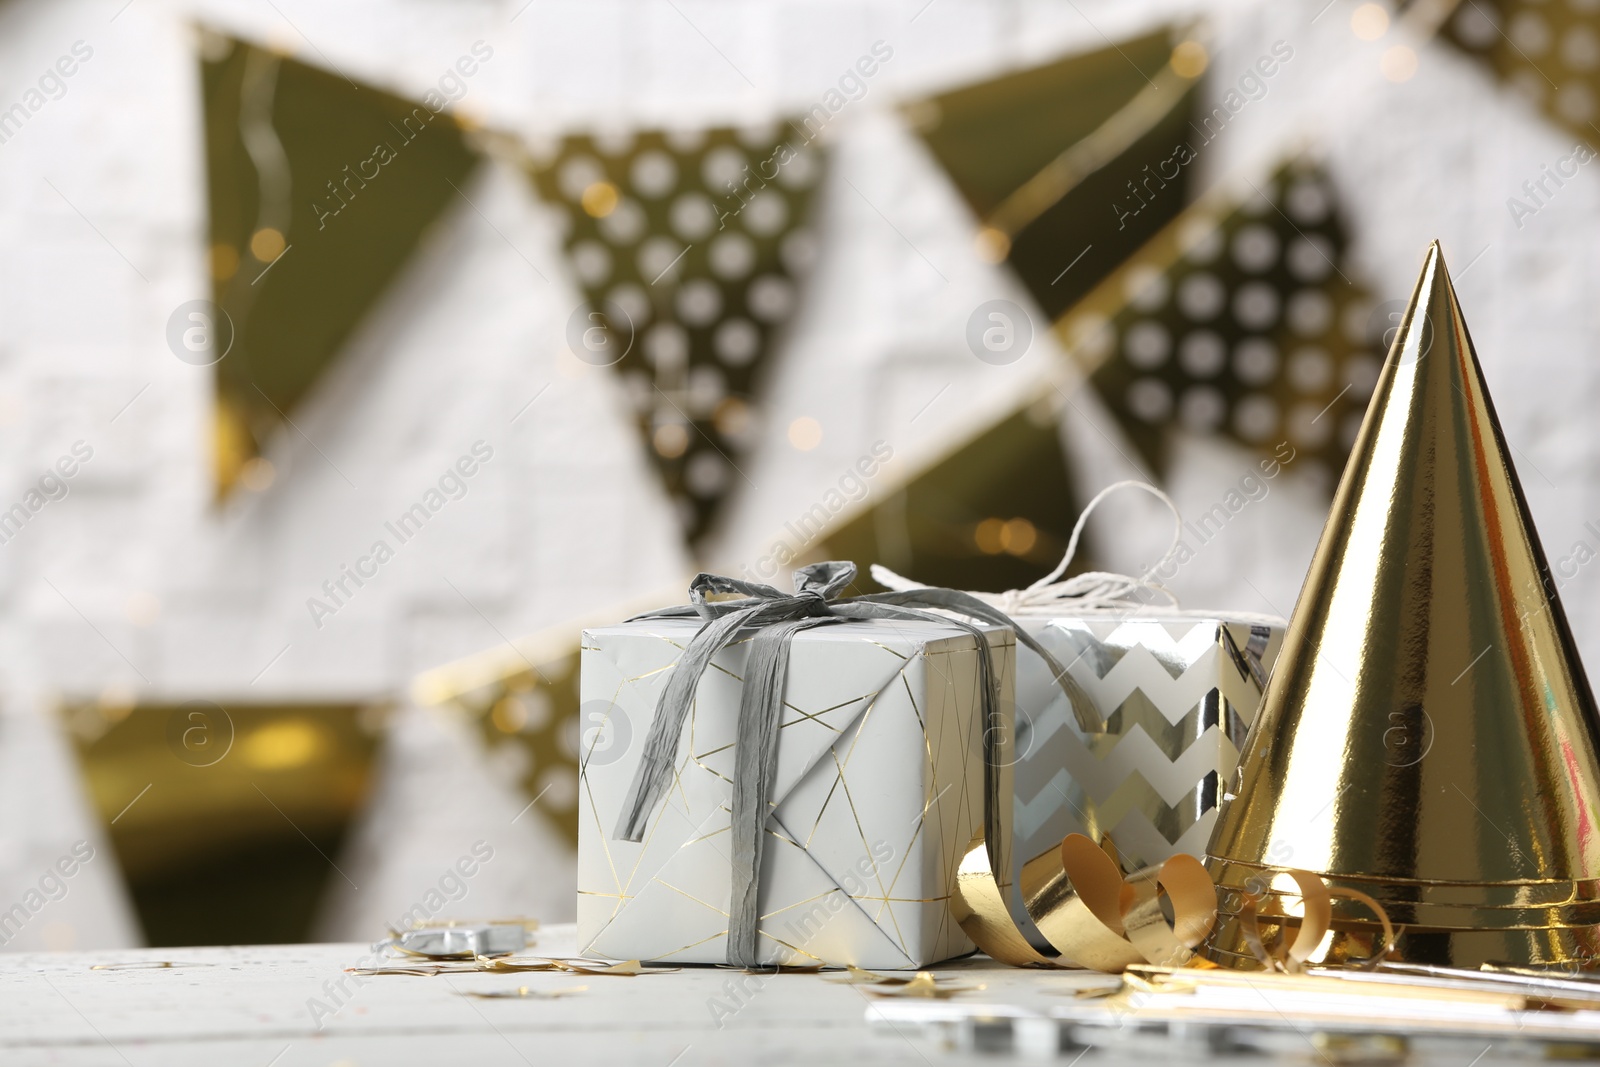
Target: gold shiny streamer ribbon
(1096, 917)
(1091, 914)
(1317, 897)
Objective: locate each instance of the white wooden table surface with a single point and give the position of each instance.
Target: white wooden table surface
(256, 1005)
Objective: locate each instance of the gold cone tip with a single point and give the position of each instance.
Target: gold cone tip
(1428, 720)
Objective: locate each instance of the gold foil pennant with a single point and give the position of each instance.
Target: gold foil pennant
(430, 968)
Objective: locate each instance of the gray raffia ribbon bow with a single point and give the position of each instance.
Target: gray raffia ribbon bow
(778, 617)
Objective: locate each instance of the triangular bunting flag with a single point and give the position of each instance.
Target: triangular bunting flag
(53, 823)
(1239, 319)
(1071, 166)
(529, 719)
(1548, 53)
(523, 696)
(432, 805)
(688, 248)
(222, 819)
(319, 191)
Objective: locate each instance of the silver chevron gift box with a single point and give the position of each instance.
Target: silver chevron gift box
(1177, 692)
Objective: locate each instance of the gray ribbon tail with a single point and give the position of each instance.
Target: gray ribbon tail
(659, 757)
(650, 781)
(755, 768)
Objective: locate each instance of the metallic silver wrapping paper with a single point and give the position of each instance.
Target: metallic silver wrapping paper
(1178, 691)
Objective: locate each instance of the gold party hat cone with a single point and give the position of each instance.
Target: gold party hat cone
(1428, 735)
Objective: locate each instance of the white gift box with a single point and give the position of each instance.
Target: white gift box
(879, 789)
(1177, 693)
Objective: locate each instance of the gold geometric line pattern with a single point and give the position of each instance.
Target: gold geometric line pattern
(800, 903)
(874, 920)
(594, 811)
(707, 837)
(912, 697)
(691, 896)
(885, 647)
(900, 939)
(822, 811)
(690, 945)
(791, 948)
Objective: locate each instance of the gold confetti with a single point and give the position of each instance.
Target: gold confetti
(523, 992)
(513, 964)
(1088, 994)
(494, 965)
(628, 967)
(856, 976)
(923, 985)
(424, 971)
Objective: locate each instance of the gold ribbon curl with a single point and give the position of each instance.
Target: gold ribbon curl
(1097, 918)
(1093, 916)
(1317, 897)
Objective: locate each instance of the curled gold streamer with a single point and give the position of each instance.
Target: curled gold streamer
(1194, 911)
(1318, 898)
(1278, 956)
(1091, 914)
(1096, 917)
(980, 909)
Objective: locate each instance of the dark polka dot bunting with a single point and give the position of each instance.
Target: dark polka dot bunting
(688, 247)
(1239, 320)
(1547, 51)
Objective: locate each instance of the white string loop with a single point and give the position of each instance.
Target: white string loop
(1092, 591)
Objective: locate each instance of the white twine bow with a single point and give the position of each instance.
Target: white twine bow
(1092, 591)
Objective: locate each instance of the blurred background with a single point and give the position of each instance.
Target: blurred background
(353, 357)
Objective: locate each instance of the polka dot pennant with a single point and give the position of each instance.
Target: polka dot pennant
(532, 723)
(689, 248)
(1242, 322)
(1547, 51)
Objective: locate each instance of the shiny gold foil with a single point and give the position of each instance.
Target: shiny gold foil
(1428, 735)
(1091, 915)
(1355, 945)
(979, 906)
